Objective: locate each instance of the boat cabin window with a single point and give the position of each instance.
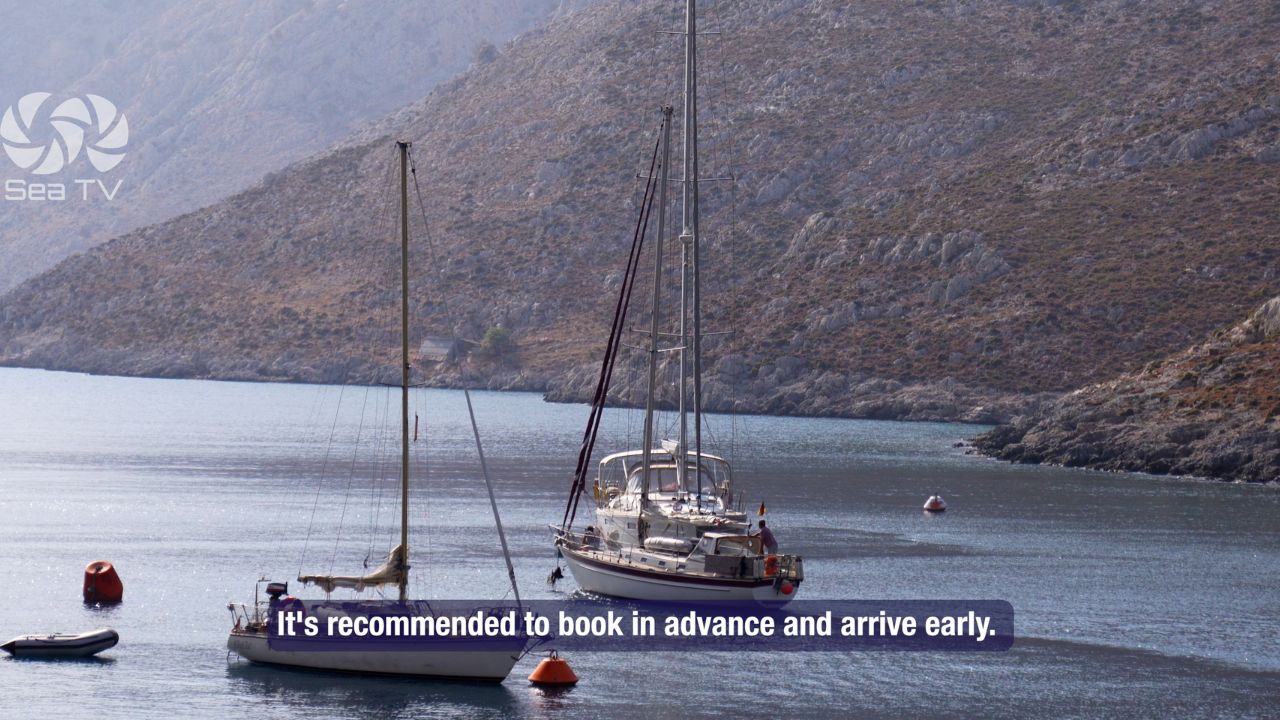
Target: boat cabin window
(733, 545)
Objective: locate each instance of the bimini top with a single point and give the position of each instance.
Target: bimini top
(708, 480)
(660, 452)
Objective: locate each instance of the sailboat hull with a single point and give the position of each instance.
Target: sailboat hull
(604, 577)
(480, 665)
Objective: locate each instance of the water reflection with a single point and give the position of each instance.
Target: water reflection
(198, 488)
(363, 696)
(90, 661)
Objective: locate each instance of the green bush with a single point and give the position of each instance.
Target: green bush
(496, 344)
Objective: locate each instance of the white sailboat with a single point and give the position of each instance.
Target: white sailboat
(666, 526)
(250, 634)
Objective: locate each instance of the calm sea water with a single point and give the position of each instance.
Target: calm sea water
(1135, 596)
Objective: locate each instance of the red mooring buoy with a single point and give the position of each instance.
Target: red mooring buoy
(102, 584)
(553, 670)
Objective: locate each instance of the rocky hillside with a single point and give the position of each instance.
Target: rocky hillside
(52, 44)
(942, 210)
(218, 92)
(1212, 411)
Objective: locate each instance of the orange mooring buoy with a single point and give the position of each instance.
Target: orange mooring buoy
(102, 584)
(553, 670)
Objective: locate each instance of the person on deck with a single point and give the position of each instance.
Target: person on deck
(767, 539)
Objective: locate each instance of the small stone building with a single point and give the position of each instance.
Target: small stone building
(442, 350)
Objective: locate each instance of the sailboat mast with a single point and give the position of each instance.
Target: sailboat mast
(404, 368)
(653, 326)
(682, 451)
(689, 235)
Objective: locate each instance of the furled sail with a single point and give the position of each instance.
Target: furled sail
(390, 572)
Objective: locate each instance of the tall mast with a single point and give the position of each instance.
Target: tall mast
(653, 326)
(689, 234)
(404, 368)
(682, 452)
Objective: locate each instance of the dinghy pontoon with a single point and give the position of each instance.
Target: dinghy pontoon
(62, 644)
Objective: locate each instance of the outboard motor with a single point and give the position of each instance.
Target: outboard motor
(275, 590)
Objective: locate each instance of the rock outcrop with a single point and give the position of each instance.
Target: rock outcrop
(1211, 411)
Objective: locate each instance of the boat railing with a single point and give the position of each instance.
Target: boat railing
(245, 616)
(580, 541)
(790, 567)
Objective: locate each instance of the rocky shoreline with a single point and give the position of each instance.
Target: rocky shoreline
(774, 390)
(766, 392)
(1211, 411)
